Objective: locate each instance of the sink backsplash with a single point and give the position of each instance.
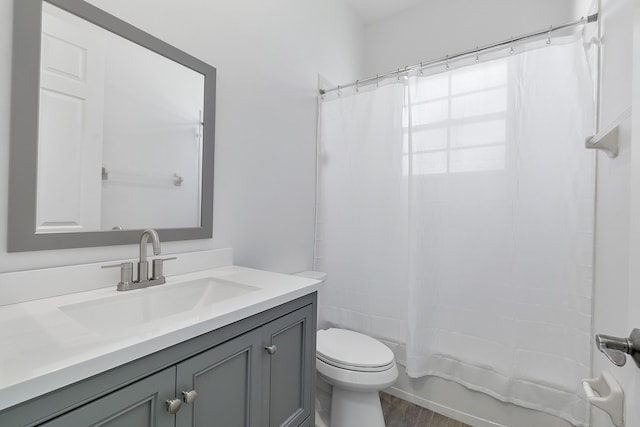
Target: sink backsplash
(21, 286)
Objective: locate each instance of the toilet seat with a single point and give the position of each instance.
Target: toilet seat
(353, 351)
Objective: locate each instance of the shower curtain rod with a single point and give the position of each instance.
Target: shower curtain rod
(404, 71)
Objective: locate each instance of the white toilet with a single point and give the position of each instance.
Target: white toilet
(358, 367)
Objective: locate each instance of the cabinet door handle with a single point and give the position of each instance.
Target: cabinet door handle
(189, 397)
(173, 406)
(271, 349)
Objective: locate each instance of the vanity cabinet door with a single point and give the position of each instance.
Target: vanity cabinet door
(140, 404)
(227, 382)
(288, 368)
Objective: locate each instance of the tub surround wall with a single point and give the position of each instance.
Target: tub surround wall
(268, 56)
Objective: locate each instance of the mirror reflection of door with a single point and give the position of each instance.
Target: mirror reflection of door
(71, 124)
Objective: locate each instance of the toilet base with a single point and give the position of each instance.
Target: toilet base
(355, 408)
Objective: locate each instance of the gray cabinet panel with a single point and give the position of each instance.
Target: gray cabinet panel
(140, 404)
(287, 374)
(227, 384)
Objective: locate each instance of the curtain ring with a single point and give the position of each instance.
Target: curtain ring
(477, 54)
(549, 34)
(511, 50)
(357, 88)
(398, 75)
(446, 65)
(339, 94)
(377, 80)
(421, 69)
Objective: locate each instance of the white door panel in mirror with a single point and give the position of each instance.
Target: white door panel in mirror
(70, 139)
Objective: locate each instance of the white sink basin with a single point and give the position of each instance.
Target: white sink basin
(132, 308)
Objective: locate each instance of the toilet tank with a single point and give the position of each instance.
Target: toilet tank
(318, 275)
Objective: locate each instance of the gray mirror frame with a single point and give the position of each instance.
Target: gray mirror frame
(27, 25)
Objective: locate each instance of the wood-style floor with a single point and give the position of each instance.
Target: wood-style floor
(400, 413)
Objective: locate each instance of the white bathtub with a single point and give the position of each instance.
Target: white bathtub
(477, 409)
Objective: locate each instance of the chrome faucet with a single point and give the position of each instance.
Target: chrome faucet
(126, 268)
(143, 264)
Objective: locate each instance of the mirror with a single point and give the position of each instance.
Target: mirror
(112, 132)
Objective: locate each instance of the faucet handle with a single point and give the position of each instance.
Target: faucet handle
(158, 267)
(616, 349)
(126, 273)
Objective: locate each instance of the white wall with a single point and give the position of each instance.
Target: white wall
(268, 56)
(612, 263)
(441, 27)
(630, 376)
(437, 28)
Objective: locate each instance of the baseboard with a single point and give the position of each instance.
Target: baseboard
(455, 414)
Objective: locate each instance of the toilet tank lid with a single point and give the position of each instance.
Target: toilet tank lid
(352, 348)
(317, 275)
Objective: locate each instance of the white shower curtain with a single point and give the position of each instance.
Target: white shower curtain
(455, 222)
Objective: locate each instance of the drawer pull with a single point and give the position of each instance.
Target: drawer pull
(189, 397)
(271, 349)
(173, 406)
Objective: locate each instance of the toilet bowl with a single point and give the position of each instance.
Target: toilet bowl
(358, 367)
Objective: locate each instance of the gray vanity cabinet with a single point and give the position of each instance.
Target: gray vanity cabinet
(257, 372)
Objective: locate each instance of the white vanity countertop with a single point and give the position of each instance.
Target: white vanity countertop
(43, 348)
